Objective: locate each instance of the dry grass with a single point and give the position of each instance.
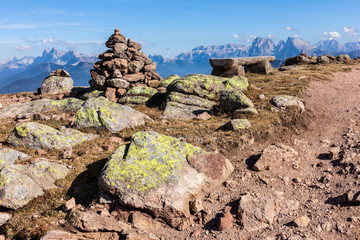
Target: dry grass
(88, 159)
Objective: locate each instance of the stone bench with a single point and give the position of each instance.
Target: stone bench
(228, 67)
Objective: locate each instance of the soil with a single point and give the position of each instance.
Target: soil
(314, 179)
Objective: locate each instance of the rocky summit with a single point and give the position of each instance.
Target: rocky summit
(123, 67)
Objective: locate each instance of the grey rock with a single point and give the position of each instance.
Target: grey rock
(231, 100)
(38, 136)
(236, 124)
(4, 217)
(118, 83)
(56, 85)
(287, 101)
(101, 113)
(249, 110)
(42, 105)
(135, 66)
(166, 174)
(19, 184)
(91, 94)
(120, 47)
(9, 156)
(59, 235)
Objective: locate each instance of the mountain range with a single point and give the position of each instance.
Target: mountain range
(27, 73)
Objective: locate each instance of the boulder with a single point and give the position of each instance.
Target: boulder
(38, 136)
(9, 156)
(185, 107)
(166, 81)
(236, 124)
(231, 100)
(287, 101)
(19, 184)
(138, 95)
(42, 105)
(56, 85)
(91, 94)
(101, 113)
(207, 86)
(161, 175)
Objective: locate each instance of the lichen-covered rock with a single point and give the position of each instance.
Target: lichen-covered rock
(236, 124)
(39, 136)
(9, 156)
(185, 107)
(101, 113)
(133, 100)
(287, 101)
(141, 91)
(231, 100)
(42, 105)
(92, 94)
(167, 81)
(161, 175)
(249, 110)
(56, 85)
(19, 184)
(207, 86)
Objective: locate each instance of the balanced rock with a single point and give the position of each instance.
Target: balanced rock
(101, 113)
(19, 184)
(9, 156)
(42, 105)
(122, 67)
(59, 81)
(161, 175)
(38, 136)
(287, 101)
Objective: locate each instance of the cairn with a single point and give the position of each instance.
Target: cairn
(122, 67)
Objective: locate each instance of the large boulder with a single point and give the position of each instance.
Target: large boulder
(138, 95)
(56, 85)
(192, 95)
(231, 100)
(101, 113)
(19, 184)
(42, 105)
(9, 156)
(161, 175)
(39, 136)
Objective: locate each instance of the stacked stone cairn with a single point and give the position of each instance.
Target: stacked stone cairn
(123, 67)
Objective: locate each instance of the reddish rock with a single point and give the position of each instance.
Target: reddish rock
(226, 220)
(111, 94)
(40, 152)
(60, 96)
(60, 73)
(203, 116)
(135, 45)
(59, 235)
(121, 91)
(153, 83)
(69, 204)
(134, 77)
(116, 140)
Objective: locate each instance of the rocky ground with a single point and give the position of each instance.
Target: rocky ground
(295, 173)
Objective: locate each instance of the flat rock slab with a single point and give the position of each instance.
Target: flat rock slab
(9, 156)
(38, 136)
(227, 63)
(161, 175)
(42, 105)
(236, 124)
(287, 101)
(101, 113)
(56, 85)
(19, 184)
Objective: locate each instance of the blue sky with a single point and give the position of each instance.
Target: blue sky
(169, 27)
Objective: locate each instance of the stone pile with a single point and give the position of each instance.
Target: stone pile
(122, 67)
(306, 59)
(58, 82)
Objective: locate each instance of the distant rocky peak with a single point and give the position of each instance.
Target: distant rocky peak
(262, 47)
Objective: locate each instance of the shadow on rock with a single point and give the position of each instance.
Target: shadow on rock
(250, 162)
(85, 187)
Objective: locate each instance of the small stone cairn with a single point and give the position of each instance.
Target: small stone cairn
(122, 67)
